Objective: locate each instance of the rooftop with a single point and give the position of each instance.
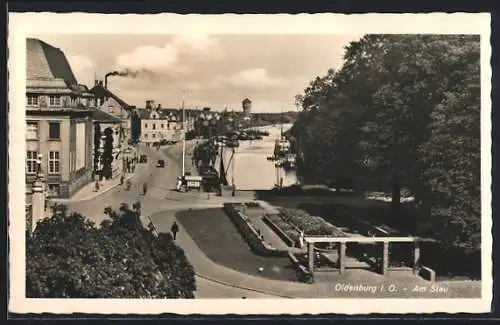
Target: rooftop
(100, 91)
(103, 117)
(47, 64)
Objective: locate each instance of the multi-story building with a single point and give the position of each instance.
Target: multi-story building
(159, 125)
(58, 122)
(113, 105)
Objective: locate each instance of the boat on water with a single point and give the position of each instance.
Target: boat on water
(288, 162)
(281, 147)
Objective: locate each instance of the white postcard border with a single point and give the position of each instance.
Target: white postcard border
(22, 25)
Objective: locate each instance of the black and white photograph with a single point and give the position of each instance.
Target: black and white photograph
(208, 160)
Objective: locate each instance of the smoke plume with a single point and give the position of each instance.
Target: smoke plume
(132, 73)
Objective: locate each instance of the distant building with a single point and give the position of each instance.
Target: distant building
(110, 103)
(58, 122)
(247, 106)
(158, 125)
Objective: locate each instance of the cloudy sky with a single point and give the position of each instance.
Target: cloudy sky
(217, 71)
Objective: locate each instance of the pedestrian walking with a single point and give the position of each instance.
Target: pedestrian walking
(174, 229)
(129, 184)
(122, 179)
(144, 188)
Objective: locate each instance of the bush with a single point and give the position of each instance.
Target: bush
(69, 257)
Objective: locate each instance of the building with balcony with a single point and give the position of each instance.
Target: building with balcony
(58, 122)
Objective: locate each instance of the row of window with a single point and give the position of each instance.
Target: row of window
(54, 161)
(54, 100)
(32, 130)
(154, 126)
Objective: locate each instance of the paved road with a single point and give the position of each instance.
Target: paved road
(160, 197)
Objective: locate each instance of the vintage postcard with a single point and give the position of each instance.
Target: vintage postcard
(324, 163)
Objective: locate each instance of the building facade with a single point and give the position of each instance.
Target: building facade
(159, 125)
(113, 105)
(58, 122)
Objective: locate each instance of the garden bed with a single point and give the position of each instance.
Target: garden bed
(248, 232)
(283, 229)
(311, 225)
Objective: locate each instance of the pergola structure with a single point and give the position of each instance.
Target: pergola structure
(382, 241)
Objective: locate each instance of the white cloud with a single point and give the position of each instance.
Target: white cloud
(82, 68)
(254, 78)
(149, 57)
(169, 57)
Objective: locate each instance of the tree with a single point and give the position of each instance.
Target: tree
(97, 145)
(135, 126)
(401, 112)
(107, 154)
(69, 257)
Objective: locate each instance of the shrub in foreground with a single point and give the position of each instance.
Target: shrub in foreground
(68, 256)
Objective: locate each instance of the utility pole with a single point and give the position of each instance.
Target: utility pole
(183, 136)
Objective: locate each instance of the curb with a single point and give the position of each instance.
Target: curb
(242, 287)
(93, 196)
(228, 284)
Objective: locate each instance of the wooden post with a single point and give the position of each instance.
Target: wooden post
(385, 258)
(416, 257)
(310, 253)
(342, 251)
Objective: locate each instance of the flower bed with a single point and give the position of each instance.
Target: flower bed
(248, 233)
(282, 228)
(311, 225)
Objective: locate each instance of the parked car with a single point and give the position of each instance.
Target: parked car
(143, 159)
(160, 163)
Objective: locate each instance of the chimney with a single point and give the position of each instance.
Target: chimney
(106, 82)
(150, 104)
(96, 83)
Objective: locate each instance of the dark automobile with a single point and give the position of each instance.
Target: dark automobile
(143, 159)
(160, 163)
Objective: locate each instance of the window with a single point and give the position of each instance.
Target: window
(54, 162)
(31, 162)
(146, 135)
(168, 126)
(32, 130)
(54, 190)
(54, 130)
(32, 100)
(154, 126)
(146, 125)
(154, 135)
(162, 126)
(54, 100)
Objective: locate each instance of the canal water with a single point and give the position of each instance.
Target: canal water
(252, 170)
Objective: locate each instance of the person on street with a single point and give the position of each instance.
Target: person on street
(129, 184)
(174, 229)
(144, 188)
(122, 179)
(179, 184)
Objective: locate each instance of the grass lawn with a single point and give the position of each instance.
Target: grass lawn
(218, 238)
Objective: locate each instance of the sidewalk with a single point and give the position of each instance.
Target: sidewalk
(88, 191)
